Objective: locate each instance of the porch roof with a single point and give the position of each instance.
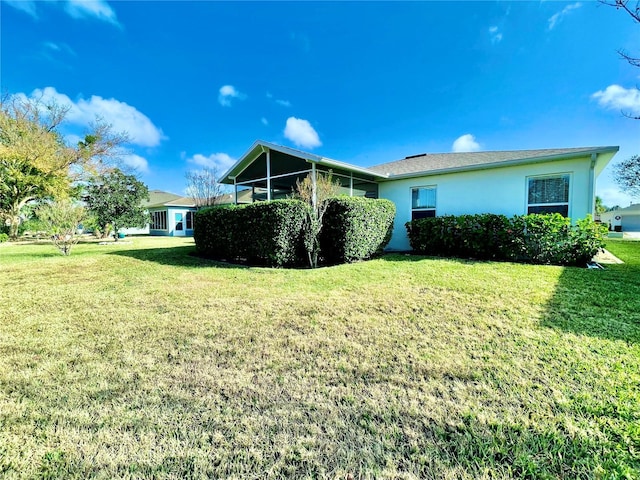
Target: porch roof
(260, 147)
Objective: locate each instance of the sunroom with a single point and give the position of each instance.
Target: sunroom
(270, 172)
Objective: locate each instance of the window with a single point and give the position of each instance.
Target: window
(189, 220)
(159, 220)
(423, 202)
(179, 223)
(548, 194)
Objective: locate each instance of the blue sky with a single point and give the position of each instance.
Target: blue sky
(196, 83)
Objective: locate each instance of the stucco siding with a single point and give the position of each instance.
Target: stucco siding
(497, 190)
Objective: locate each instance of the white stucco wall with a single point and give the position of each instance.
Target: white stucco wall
(497, 190)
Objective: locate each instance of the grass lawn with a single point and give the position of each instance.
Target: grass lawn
(141, 361)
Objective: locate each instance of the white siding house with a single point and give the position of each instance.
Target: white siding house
(623, 219)
(505, 182)
(171, 216)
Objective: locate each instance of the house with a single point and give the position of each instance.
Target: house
(513, 182)
(623, 219)
(171, 215)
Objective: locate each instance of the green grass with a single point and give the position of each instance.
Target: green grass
(142, 361)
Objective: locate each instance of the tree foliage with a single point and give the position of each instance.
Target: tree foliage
(116, 200)
(627, 175)
(600, 207)
(203, 186)
(61, 220)
(35, 161)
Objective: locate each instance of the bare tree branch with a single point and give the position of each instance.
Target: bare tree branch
(203, 186)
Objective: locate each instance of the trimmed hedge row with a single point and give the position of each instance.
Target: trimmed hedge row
(263, 233)
(356, 228)
(272, 233)
(536, 238)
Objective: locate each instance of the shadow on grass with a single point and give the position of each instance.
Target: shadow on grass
(184, 256)
(602, 303)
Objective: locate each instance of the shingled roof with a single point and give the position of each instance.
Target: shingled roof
(431, 163)
(158, 198)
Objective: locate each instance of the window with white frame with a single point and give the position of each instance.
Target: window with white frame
(423, 202)
(159, 220)
(189, 220)
(548, 194)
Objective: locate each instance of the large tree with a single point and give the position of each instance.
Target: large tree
(116, 200)
(35, 161)
(203, 186)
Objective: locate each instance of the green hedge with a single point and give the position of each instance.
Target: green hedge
(543, 239)
(355, 228)
(263, 233)
(272, 233)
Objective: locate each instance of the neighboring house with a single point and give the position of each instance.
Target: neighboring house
(171, 215)
(623, 219)
(508, 182)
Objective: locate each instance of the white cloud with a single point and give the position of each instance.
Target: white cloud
(121, 116)
(301, 133)
(98, 9)
(281, 102)
(465, 143)
(136, 162)
(619, 98)
(26, 6)
(219, 161)
(554, 19)
(58, 48)
(91, 8)
(496, 36)
(264, 121)
(226, 93)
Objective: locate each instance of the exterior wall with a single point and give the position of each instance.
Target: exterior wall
(171, 222)
(135, 231)
(629, 219)
(497, 190)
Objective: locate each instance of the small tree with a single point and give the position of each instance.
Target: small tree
(203, 186)
(116, 200)
(61, 219)
(316, 195)
(627, 175)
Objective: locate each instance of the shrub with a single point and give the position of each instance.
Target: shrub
(215, 232)
(355, 228)
(3, 237)
(543, 239)
(263, 233)
(274, 231)
(483, 236)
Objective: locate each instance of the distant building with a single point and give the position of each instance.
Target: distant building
(171, 216)
(623, 219)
